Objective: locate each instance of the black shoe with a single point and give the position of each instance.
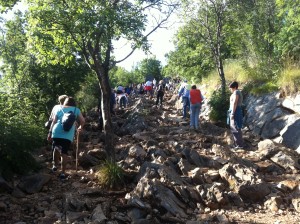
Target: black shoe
(54, 168)
(62, 176)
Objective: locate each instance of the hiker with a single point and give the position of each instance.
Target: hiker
(235, 116)
(120, 89)
(148, 88)
(154, 83)
(184, 93)
(122, 100)
(140, 88)
(195, 107)
(61, 139)
(160, 93)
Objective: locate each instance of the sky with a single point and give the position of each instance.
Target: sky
(161, 43)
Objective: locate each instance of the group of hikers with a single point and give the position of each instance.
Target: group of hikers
(148, 88)
(191, 98)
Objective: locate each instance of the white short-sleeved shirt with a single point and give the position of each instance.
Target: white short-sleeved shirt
(148, 83)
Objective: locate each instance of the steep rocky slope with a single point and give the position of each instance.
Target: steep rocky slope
(173, 175)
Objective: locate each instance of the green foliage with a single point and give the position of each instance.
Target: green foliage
(60, 28)
(288, 38)
(149, 68)
(289, 79)
(20, 134)
(263, 88)
(235, 71)
(89, 94)
(28, 92)
(192, 58)
(120, 76)
(110, 175)
(263, 34)
(7, 4)
(40, 84)
(219, 106)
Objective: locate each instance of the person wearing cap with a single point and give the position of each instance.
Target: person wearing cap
(184, 93)
(235, 115)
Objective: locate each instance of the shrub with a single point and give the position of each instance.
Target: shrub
(289, 80)
(19, 140)
(20, 135)
(110, 175)
(89, 94)
(235, 70)
(219, 105)
(262, 88)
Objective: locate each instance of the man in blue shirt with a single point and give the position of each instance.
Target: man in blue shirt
(184, 93)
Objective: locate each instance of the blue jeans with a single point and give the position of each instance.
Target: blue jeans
(194, 116)
(236, 124)
(186, 104)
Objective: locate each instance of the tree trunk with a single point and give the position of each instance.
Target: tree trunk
(102, 75)
(222, 76)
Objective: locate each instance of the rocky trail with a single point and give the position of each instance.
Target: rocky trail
(173, 175)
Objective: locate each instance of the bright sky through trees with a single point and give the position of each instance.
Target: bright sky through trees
(161, 43)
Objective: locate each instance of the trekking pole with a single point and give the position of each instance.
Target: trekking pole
(77, 146)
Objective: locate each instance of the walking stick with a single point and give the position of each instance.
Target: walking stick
(77, 146)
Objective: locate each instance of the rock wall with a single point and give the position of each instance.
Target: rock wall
(274, 116)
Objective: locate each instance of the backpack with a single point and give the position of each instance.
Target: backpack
(68, 120)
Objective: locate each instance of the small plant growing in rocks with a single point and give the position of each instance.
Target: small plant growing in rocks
(110, 175)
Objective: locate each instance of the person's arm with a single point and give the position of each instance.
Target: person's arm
(49, 137)
(180, 92)
(235, 102)
(81, 122)
(52, 115)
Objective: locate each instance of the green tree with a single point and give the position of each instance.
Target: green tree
(88, 29)
(7, 4)
(206, 20)
(190, 58)
(120, 76)
(149, 68)
(20, 132)
(89, 93)
(28, 92)
(288, 38)
(258, 25)
(23, 76)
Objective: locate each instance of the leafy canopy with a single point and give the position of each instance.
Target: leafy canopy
(83, 27)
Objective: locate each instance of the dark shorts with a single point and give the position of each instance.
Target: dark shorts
(63, 143)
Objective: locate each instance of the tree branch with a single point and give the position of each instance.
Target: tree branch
(158, 25)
